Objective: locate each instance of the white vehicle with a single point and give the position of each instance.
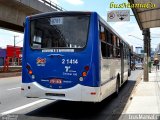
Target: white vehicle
(139, 65)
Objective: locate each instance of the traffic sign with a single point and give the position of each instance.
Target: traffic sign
(118, 15)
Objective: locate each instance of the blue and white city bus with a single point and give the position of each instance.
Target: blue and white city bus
(73, 56)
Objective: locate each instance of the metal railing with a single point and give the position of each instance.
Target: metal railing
(52, 5)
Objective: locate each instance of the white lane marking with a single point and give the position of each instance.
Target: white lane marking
(22, 107)
(14, 88)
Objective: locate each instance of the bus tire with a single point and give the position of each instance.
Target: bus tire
(117, 86)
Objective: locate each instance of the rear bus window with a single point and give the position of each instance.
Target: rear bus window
(59, 32)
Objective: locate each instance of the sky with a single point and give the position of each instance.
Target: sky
(125, 29)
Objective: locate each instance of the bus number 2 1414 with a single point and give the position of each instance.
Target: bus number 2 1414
(69, 61)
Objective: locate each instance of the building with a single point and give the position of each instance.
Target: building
(157, 52)
(158, 49)
(131, 48)
(138, 50)
(13, 55)
(2, 56)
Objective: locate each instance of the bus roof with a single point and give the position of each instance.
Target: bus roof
(79, 13)
(59, 13)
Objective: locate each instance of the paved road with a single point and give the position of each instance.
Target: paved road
(12, 102)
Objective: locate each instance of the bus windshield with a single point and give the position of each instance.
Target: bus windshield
(59, 32)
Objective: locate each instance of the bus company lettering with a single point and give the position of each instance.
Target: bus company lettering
(67, 68)
(69, 72)
(41, 61)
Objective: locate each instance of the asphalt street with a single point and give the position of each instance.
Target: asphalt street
(13, 102)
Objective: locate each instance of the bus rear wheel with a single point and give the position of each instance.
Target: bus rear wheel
(117, 86)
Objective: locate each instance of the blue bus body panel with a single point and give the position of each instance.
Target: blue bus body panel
(67, 66)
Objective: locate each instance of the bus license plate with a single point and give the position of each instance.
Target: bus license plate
(55, 81)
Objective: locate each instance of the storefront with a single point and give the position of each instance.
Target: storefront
(14, 55)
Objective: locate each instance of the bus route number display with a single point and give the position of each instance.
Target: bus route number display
(56, 21)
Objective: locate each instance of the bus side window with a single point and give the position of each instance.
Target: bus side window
(109, 45)
(102, 34)
(111, 51)
(124, 51)
(103, 49)
(118, 52)
(117, 48)
(118, 42)
(108, 50)
(37, 39)
(114, 46)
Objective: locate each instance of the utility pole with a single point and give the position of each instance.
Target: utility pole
(146, 39)
(15, 49)
(149, 50)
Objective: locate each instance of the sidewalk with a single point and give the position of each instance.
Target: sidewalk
(146, 97)
(10, 74)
